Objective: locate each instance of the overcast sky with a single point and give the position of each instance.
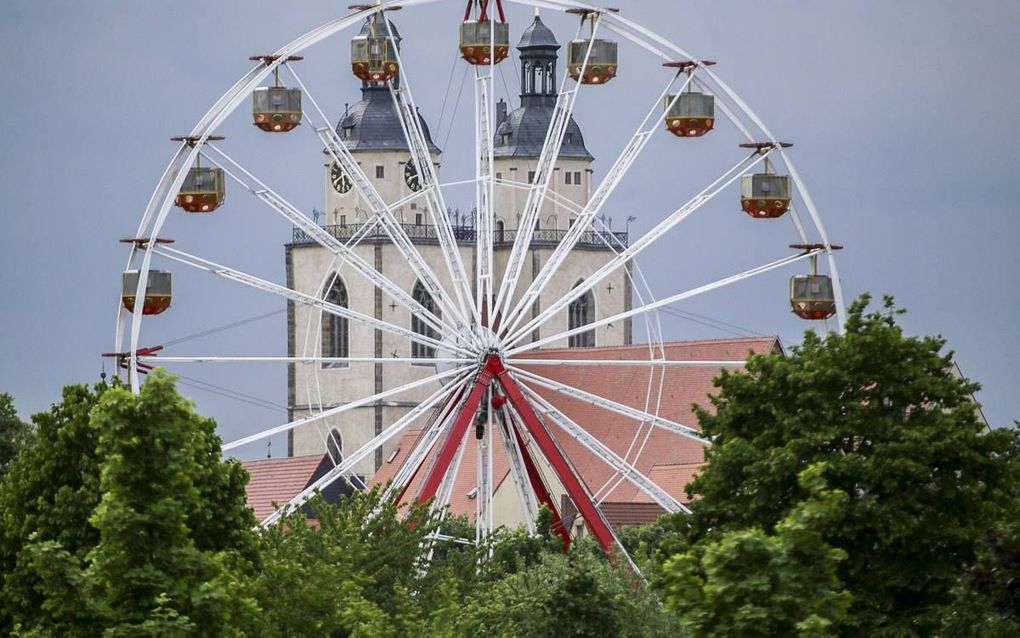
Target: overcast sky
(905, 118)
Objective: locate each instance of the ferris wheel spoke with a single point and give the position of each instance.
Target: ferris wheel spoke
(667, 301)
(484, 188)
(343, 251)
(613, 406)
(606, 455)
(339, 360)
(562, 114)
(345, 466)
(369, 400)
(651, 123)
(342, 156)
(411, 124)
(518, 472)
(301, 298)
(636, 248)
(414, 460)
(627, 363)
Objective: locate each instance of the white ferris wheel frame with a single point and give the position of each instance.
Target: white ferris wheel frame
(461, 309)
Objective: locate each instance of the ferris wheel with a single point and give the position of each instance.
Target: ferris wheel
(483, 312)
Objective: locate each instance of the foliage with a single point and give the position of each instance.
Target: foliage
(14, 433)
(168, 505)
(987, 599)
(888, 425)
(748, 583)
(578, 594)
(45, 503)
(341, 576)
(120, 518)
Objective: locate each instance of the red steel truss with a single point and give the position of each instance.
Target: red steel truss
(495, 370)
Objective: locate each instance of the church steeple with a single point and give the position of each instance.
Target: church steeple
(522, 133)
(538, 47)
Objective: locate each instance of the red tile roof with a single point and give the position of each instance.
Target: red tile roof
(279, 480)
(669, 460)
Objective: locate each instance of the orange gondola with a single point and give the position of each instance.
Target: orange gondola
(600, 65)
(374, 51)
(482, 39)
(690, 114)
(203, 190)
(158, 291)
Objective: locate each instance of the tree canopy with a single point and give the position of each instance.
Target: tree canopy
(121, 518)
(888, 429)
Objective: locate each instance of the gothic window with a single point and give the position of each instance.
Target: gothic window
(418, 326)
(582, 313)
(334, 446)
(336, 337)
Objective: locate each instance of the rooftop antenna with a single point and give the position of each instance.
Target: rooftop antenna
(269, 449)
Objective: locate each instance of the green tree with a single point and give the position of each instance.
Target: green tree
(14, 433)
(121, 517)
(892, 428)
(355, 570)
(987, 598)
(170, 514)
(577, 594)
(45, 504)
(751, 584)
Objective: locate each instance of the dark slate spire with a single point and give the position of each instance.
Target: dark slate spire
(522, 133)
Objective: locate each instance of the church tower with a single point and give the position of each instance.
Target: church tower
(372, 131)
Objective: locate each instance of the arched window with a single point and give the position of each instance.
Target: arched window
(334, 446)
(336, 336)
(500, 231)
(581, 313)
(418, 326)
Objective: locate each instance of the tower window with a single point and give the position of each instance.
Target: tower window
(566, 176)
(417, 219)
(380, 172)
(577, 177)
(531, 177)
(334, 446)
(336, 335)
(581, 313)
(418, 325)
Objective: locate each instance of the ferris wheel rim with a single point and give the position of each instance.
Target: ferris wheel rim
(158, 209)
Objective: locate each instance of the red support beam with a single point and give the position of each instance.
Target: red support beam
(448, 407)
(568, 478)
(458, 429)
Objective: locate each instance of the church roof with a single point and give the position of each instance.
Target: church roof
(373, 124)
(274, 482)
(538, 35)
(522, 134)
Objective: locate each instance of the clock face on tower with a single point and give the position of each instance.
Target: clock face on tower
(340, 180)
(411, 176)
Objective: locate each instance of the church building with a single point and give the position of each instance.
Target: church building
(372, 131)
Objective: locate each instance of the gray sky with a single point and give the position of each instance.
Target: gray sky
(904, 117)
